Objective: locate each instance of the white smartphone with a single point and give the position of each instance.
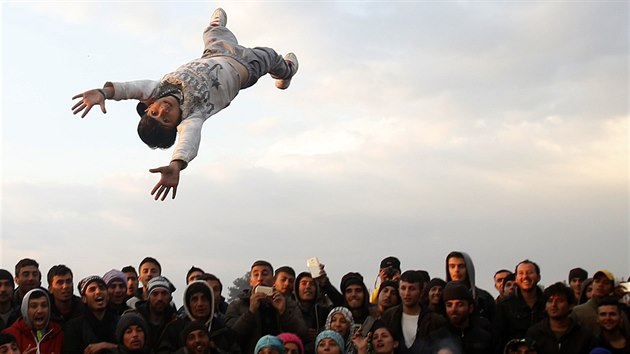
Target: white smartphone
(267, 290)
(313, 266)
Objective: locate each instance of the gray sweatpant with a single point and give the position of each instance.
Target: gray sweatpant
(220, 41)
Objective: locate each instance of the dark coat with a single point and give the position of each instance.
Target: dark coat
(427, 323)
(87, 329)
(474, 339)
(514, 317)
(576, 340)
(249, 327)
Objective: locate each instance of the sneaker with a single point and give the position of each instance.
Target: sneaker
(292, 61)
(219, 18)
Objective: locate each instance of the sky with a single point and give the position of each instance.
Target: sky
(413, 128)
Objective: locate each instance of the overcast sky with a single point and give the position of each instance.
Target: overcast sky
(412, 129)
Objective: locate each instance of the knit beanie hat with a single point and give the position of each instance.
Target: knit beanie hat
(345, 312)
(269, 341)
(456, 290)
(292, 338)
(386, 283)
(127, 319)
(191, 327)
(600, 350)
(83, 283)
(578, 273)
(159, 282)
(6, 275)
(436, 282)
(114, 274)
(329, 333)
(352, 278)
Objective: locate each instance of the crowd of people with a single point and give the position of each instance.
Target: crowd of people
(125, 311)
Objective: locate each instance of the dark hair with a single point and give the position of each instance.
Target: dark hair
(40, 293)
(610, 301)
(58, 270)
(154, 134)
(509, 277)
(559, 289)
(262, 263)
(150, 260)
(209, 276)
(501, 271)
(26, 262)
(412, 276)
(192, 270)
(285, 269)
(527, 261)
(6, 338)
(129, 269)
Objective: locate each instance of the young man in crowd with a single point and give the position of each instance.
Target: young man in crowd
(389, 270)
(262, 310)
(8, 343)
(149, 268)
(469, 332)
(612, 335)
(64, 305)
(559, 333)
(577, 276)
(94, 331)
(116, 282)
(519, 312)
(8, 314)
(198, 307)
(157, 310)
(132, 281)
(313, 306)
(27, 277)
(410, 323)
(460, 267)
(356, 297)
(499, 280)
(284, 280)
(586, 314)
(34, 331)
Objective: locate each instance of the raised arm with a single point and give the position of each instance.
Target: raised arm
(88, 99)
(139, 90)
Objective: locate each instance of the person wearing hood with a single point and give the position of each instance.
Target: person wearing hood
(459, 267)
(313, 305)
(340, 320)
(356, 297)
(131, 335)
(94, 331)
(262, 310)
(34, 330)
(198, 306)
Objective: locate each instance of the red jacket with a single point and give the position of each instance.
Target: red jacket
(51, 342)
